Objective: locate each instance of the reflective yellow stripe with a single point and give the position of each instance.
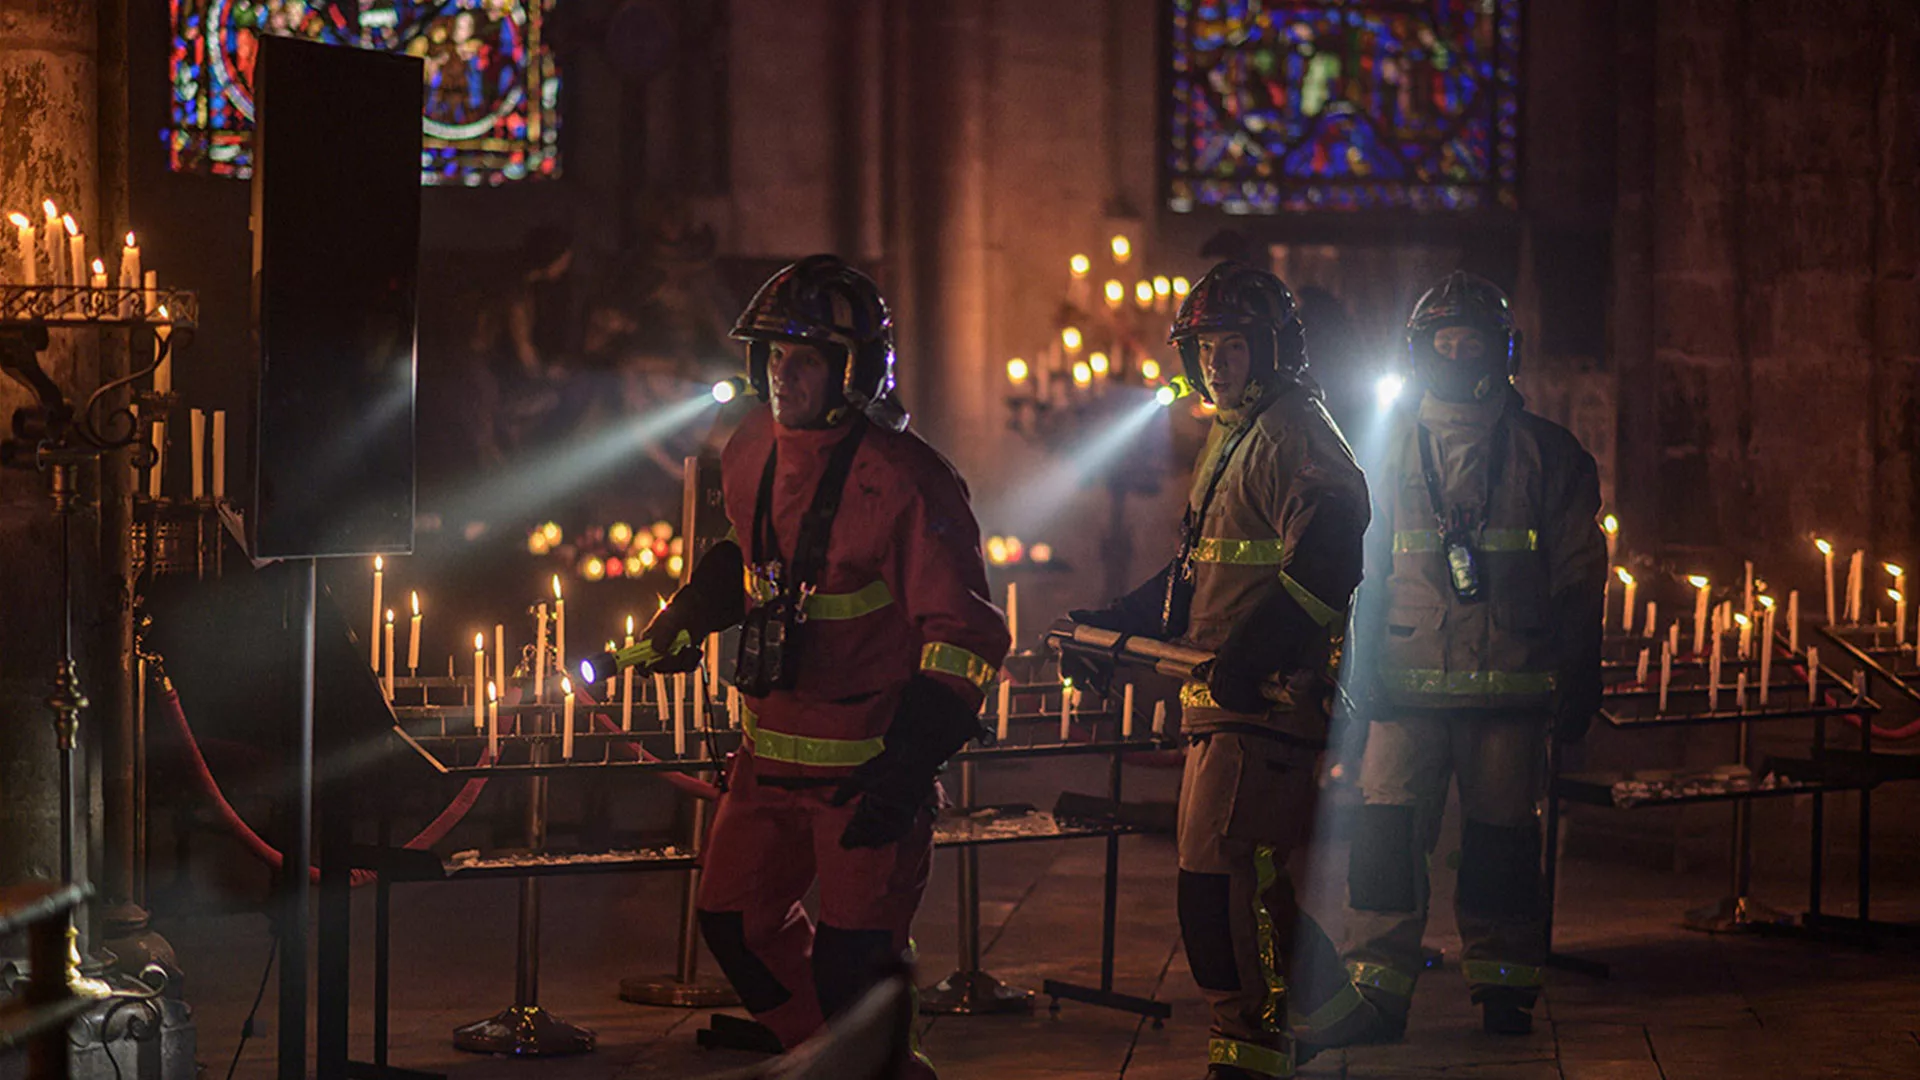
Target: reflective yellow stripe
(1273, 1011)
(1343, 1004)
(1245, 1055)
(852, 605)
(1219, 549)
(954, 660)
(803, 750)
(1409, 541)
(1380, 977)
(1468, 683)
(1318, 610)
(1195, 695)
(641, 653)
(1495, 973)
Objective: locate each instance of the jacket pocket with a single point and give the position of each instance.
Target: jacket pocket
(1414, 637)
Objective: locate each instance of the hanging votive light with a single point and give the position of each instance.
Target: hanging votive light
(1070, 338)
(1116, 294)
(1082, 373)
(1162, 286)
(1080, 264)
(1143, 293)
(1099, 363)
(1017, 371)
(1122, 249)
(1150, 369)
(1181, 287)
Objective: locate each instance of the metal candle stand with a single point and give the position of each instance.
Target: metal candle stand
(685, 989)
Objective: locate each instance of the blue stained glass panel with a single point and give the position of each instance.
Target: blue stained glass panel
(1354, 105)
(492, 94)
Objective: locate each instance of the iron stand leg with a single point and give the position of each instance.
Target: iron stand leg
(1738, 912)
(969, 991)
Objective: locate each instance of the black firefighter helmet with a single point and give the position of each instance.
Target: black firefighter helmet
(823, 302)
(1251, 302)
(1463, 299)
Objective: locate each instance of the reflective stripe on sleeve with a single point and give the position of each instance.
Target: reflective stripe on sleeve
(1381, 977)
(1495, 973)
(1245, 1055)
(1318, 610)
(1217, 549)
(1409, 541)
(805, 750)
(1467, 683)
(956, 661)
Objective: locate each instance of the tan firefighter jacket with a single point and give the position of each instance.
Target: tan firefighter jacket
(1532, 638)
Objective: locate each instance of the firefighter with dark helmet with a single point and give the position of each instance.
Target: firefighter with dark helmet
(867, 639)
(1476, 636)
(1269, 557)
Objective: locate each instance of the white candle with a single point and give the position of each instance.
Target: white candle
(1856, 567)
(24, 240)
(559, 625)
(479, 675)
(1700, 583)
(733, 707)
(566, 722)
(679, 714)
(1813, 677)
(500, 653)
(1793, 621)
(1006, 697)
(163, 371)
(413, 636)
(1666, 672)
(388, 671)
(493, 722)
(626, 685)
(76, 251)
(52, 235)
(1066, 709)
(540, 651)
(153, 492)
(1746, 635)
(660, 698)
(1713, 675)
(1626, 609)
(373, 632)
(1610, 525)
(1640, 670)
(1746, 594)
(98, 279)
(130, 277)
(697, 685)
(196, 452)
(219, 453)
(1126, 712)
(1159, 717)
(1673, 636)
(1766, 653)
(1740, 692)
(1826, 552)
(1651, 624)
(1899, 616)
(150, 291)
(1013, 614)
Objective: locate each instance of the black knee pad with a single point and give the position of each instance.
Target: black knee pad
(1204, 900)
(846, 963)
(1500, 870)
(726, 935)
(1383, 871)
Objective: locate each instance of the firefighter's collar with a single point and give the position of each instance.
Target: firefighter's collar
(1468, 417)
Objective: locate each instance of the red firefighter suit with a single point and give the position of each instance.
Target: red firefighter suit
(903, 593)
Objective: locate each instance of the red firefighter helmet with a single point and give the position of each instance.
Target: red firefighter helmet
(822, 301)
(1252, 302)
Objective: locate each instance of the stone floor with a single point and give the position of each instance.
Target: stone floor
(1680, 1005)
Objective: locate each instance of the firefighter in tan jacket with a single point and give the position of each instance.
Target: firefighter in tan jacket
(1476, 636)
(1269, 559)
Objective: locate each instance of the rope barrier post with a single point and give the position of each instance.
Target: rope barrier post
(970, 991)
(525, 1029)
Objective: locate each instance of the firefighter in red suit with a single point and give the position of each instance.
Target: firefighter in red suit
(867, 641)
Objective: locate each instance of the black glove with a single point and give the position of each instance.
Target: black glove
(713, 599)
(930, 726)
(1138, 613)
(1276, 636)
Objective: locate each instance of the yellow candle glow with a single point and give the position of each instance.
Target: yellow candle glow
(1071, 339)
(1181, 287)
(1143, 293)
(413, 636)
(1099, 363)
(24, 240)
(1122, 248)
(559, 625)
(1700, 582)
(99, 278)
(1115, 293)
(1150, 369)
(130, 275)
(1626, 610)
(76, 251)
(1610, 525)
(1082, 374)
(1079, 265)
(1826, 552)
(1017, 371)
(163, 373)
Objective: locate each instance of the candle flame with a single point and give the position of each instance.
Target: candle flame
(1181, 286)
(67, 221)
(1066, 684)
(1767, 602)
(99, 267)
(164, 317)
(1071, 338)
(53, 212)
(1621, 573)
(19, 220)
(629, 625)
(1162, 286)
(556, 587)
(1099, 363)
(1122, 248)
(1080, 264)
(379, 563)
(1741, 618)
(415, 598)
(1116, 292)
(130, 242)
(493, 693)
(1698, 581)
(1825, 548)
(566, 686)
(1143, 292)
(1894, 595)
(1895, 570)
(389, 616)
(1611, 524)
(1150, 370)
(480, 642)
(1017, 370)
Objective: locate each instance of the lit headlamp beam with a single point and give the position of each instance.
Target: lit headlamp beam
(1046, 495)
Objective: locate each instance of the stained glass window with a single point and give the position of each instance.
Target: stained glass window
(492, 93)
(1343, 105)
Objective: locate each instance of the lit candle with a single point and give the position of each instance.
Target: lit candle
(1793, 621)
(1066, 709)
(98, 279)
(680, 714)
(660, 698)
(559, 625)
(413, 636)
(493, 722)
(76, 251)
(540, 651)
(1826, 553)
(130, 277)
(1126, 712)
(1813, 676)
(500, 653)
(388, 670)
(1626, 609)
(219, 453)
(479, 675)
(1746, 635)
(1766, 648)
(1610, 525)
(626, 685)
(1700, 583)
(1666, 672)
(373, 633)
(1854, 567)
(153, 492)
(163, 372)
(1013, 614)
(196, 451)
(566, 731)
(149, 291)
(1641, 670)
(1159, 717)
(24, 238)
(54, 233)
(1899, 617)
(1116, 294)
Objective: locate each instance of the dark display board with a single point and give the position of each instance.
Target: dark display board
(336, 234)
